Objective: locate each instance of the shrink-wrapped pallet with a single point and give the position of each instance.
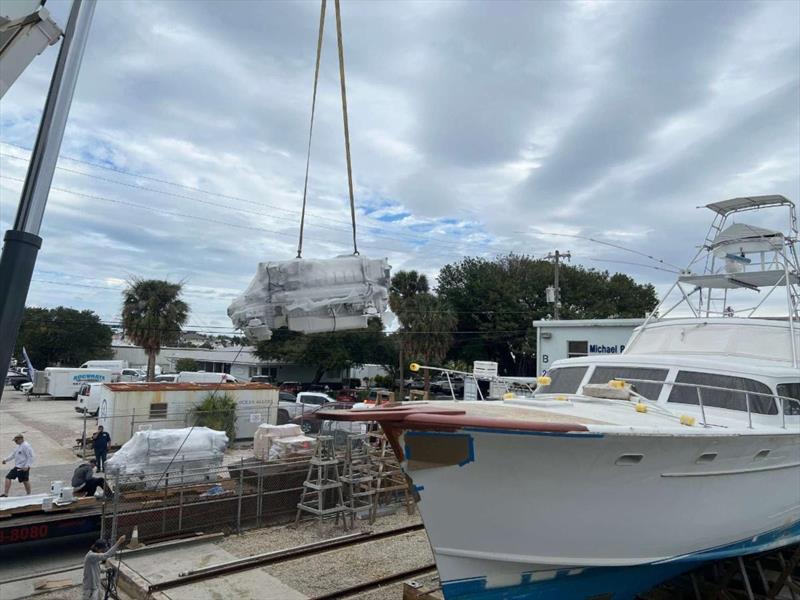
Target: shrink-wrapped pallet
(190, 455)
(312, 296)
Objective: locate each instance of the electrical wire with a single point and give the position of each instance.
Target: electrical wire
(378, 230)
(604, 243)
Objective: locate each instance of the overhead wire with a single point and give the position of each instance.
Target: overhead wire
(604, 243)
(377, 230)
(228, 223)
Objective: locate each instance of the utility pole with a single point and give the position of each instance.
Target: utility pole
(22, 243)
(556, 258)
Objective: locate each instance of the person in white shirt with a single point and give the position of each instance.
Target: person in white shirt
(23, 461)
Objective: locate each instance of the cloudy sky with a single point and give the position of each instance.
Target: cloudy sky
(475, 128)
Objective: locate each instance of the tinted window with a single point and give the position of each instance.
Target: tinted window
(314, 399)
(790, 390)
(575, 349)
(732, 400)
(564, 380)
(648, 390)
(287, 397)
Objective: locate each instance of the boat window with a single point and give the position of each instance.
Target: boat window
(650, 391)
(563, 380)
(732, 400)
(790, 390)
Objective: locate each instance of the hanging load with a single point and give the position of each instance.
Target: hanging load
(312, 296)
(318, 295)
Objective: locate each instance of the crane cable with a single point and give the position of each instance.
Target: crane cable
(340, 45)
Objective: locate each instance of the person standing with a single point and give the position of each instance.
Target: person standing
(100, 442)
(23, 461)
(91, 567)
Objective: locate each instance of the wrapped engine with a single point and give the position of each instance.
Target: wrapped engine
(312, 296)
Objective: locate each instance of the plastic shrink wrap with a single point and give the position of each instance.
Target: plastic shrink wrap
(273, 442)
(195, 454)
(312, 296)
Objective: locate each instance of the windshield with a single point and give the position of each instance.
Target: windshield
(651, 391)
(563, 380)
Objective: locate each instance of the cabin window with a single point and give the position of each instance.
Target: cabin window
(790, 390)
(576, 349)
(563, 380)
(650, 391)
(732, 398)
(158, 411)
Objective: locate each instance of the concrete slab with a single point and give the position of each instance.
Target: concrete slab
(156, 566)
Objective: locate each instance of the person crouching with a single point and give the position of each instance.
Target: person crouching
(85, 483)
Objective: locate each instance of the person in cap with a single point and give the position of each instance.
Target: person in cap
(23, 457)
(84, 481)
(91, 567)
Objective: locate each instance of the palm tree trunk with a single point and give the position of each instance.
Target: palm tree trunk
(427, 384)
(151, 365)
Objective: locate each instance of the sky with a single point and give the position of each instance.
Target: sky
(477, 129)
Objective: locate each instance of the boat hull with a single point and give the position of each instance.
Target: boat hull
(515, 514)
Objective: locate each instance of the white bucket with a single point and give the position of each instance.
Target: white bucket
(55, 487)
(66, 495)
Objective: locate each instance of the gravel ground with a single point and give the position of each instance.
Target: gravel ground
(332, 570)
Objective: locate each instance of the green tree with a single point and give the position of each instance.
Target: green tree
(218, 412)
(186, 364)
(333, 351)
(498, 299)
(152, 316)
(427, 320)
(63, 336)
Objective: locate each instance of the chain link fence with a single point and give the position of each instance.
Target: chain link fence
(185, 501)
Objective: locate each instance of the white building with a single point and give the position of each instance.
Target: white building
(239, 362)
(581, 337)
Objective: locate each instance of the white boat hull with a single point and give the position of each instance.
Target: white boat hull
(514, 514)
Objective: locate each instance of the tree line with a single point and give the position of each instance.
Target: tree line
(479, 309)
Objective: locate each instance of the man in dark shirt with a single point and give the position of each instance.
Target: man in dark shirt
(84, 482)
(100, 442)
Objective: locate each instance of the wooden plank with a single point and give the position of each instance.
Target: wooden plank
(52, 584)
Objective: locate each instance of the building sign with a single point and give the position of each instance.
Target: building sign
(603, 349)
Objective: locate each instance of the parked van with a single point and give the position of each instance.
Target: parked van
(204, 377)
(115, 366)
(62, 382)
(88, 400)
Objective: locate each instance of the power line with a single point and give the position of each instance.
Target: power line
(404, 238)
(196, 217)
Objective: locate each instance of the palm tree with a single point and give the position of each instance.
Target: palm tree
(152, 316)
(427, 321)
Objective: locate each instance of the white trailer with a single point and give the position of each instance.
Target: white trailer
(126, 408)
(62, 382)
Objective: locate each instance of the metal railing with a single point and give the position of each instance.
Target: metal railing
(699, 387)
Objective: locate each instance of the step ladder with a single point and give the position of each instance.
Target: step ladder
(357, 476)
(390, 481)
(322, 489)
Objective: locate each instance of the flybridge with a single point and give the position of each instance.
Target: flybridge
(736, 258)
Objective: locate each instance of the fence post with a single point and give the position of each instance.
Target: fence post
(180, 502)
(115, 507)
(260, 488)
(133, 419)
(164, 505)
(83, 439)
(241, 492)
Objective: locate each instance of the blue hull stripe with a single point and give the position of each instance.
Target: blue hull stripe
(622, 583)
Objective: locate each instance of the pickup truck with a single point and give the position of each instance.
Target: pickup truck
(304, 402)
